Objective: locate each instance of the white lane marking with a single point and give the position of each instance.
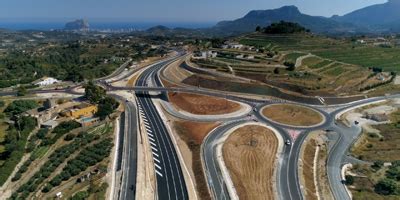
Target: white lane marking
(155, 154)
(149, 134)
(146, 123)
(152, 139)
(159, 173)
(157, 166)
(149, 130)
(152, 143)
(145, 120)
(154, 148)
(155, 159)
(147, 126)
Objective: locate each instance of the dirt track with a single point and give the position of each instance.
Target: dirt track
(249, 154)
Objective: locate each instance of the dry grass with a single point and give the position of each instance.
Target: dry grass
(202, 105)
(308, 170)
(292, 115)
(193, 134)
(249, 155)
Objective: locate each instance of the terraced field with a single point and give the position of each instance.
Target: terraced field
(339, 50)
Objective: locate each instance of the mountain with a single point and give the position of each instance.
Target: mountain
(79, 24)
(380, 17)
(263, 18)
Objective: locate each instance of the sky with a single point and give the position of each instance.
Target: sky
(163, 10)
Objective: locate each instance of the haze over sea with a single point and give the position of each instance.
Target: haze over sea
(101, 25)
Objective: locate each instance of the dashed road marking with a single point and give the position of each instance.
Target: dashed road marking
(152, 139)
(159, 173)
(149, 134)
(152, 143)
(155, 154)
(157, 166)
(155, 159)
(154, 148)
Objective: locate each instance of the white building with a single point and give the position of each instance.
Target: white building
(47, 81)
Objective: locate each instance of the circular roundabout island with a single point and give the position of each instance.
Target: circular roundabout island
(292, 115)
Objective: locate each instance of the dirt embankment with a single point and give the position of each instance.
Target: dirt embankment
(202, 105)
(249, 154)
(193, 133)
(313, 168)
(292, 115)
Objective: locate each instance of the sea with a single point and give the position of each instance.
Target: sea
(46, 26)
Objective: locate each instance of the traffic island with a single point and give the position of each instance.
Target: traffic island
(292, 115)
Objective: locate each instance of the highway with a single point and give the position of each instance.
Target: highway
(170, 180)
(129, 166)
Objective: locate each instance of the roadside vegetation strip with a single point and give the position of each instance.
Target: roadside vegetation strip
(250, 157)
(292, 115)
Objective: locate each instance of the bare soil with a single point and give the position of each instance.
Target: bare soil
(249, 154)
(292, 115)
(202, 105)
(193, 134)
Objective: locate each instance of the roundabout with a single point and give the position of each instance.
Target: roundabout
(292, 115)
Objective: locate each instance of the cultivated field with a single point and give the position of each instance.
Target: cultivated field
(292, 115)
(340, 50)
(249, 154)
(202, 105)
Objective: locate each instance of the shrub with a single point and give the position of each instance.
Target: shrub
(386, 187)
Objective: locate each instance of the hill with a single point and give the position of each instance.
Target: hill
(380, 17)
(79, 24)
(263, 18)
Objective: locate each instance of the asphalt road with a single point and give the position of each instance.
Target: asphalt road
(129, 167)
(170, 180)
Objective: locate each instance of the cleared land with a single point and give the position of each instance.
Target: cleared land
(202, 105)
(249, 154)
(193, 133)
(292, 115)
(313, 168)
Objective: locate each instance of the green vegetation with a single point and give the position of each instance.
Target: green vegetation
(283, 27)
(339, 50)
(94, 93)
(14, 143)
(106, 107)
(20, 106)
(54, 160)
(97, 95)
(86, 158)
(379, 180)
(59, 131)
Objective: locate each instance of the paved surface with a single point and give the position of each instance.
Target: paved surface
(170, 180)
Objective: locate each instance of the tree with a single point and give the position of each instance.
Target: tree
(393, 173)
(106, 107)
(276, 70)
(258, 29)
(21, 91)
(377, 165)
(386, 187)
(349, 180)
(290, 66)
(94, 93)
